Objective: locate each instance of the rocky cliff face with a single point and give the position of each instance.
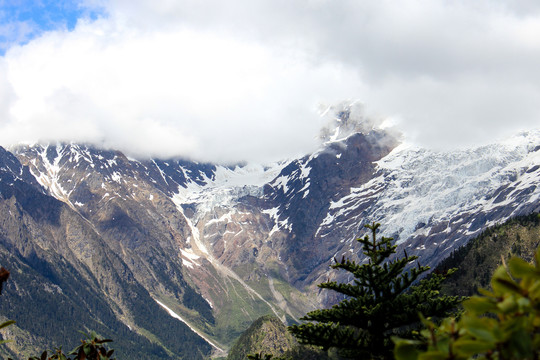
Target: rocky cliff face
(301, 196)
(67, 277)
(219, 246)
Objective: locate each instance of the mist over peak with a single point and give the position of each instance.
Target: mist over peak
(349, 117)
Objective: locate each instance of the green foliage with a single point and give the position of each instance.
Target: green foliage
(503, 323)
(380, 302)
(268, 336)
(92, 348)
(303, 352)
(297, 352)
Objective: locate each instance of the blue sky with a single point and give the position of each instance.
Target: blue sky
(241, 80)
(23, 20)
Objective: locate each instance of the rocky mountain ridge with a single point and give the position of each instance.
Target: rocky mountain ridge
(218, 246)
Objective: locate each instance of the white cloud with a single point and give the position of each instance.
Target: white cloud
(206, 96)
(239, 80)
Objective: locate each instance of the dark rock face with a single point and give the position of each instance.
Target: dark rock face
(303, 192)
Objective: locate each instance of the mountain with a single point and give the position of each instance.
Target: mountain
(65, 277)
(143, 246)
(127, 210)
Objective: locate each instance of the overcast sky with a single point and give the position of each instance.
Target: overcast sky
(246, 79)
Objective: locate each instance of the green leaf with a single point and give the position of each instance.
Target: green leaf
(521, 342)
(534, 290)
(508, 305)
(485, 292)
(479, 305)
(506, 285)
(469, 348)
(481, 329)
(433, 355)
(87, 349)
(524, 304)
(405, 349)
(521, 269)
(501, 282)
(537, 255)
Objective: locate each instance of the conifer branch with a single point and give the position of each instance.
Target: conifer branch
(381, 301)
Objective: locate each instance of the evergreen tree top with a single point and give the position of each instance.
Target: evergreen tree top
(381, 301)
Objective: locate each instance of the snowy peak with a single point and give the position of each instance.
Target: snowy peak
(360, 174)
(56, 166)
(434, 201)
(226, 187)
(313, 181)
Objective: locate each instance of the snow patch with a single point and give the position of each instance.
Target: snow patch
(281, 182)
(116, 177)
(278, 224)
(178, 317)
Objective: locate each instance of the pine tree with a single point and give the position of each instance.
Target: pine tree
(380, 302)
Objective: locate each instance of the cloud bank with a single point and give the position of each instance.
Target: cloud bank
(244, 80)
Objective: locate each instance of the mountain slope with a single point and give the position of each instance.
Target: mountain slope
(478, 259)
(268, 335)
(158, 234)
(219, 246)
(66, 278)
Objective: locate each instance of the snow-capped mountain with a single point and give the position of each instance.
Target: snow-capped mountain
(432, 202)
(217, 246)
